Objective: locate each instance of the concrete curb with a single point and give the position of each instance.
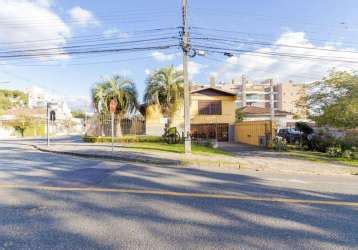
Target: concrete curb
(111, 157)
(151, 160)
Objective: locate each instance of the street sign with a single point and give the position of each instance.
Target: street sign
(113, 106)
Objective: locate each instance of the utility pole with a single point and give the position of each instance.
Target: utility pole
(186, 47)
(272, 111)
(47, 124)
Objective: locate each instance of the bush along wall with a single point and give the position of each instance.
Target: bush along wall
(122, 139)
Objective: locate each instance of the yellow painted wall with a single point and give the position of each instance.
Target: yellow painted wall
(227, 109)
(154, 120)
(249, 132)
(154, 115)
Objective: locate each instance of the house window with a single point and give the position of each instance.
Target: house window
(209, 107)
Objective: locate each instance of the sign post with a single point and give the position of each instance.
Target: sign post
(112, 109)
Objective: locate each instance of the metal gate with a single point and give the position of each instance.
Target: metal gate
(219, 131)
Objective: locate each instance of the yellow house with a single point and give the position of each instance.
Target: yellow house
(212, 115)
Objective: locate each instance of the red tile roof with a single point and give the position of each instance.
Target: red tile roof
(256, 111)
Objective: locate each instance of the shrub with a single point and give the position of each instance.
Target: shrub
(322, 141)
(279, 144)
(122, 139)
(349, 141)
(348, 154)
(334, 151)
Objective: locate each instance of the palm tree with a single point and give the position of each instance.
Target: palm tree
(117, 88)
(165, 87)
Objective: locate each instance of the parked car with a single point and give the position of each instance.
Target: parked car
(291, 135)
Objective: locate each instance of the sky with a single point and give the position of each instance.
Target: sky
(283, 40)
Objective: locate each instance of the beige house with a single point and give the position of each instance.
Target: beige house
(212, 115)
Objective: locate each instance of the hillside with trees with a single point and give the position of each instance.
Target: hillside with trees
(12, 99)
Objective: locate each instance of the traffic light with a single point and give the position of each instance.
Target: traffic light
(52, 116)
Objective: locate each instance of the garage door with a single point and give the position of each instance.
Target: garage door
(211, 131)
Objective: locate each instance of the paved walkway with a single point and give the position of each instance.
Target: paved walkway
(244, 157)
(264, 159)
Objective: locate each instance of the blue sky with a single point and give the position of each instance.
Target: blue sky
(324, 26)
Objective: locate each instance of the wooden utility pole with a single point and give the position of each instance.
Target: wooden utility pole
(185, 48)
(272, 112)
(47, 125)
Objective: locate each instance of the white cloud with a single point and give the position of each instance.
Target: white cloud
(147, 71)
(162, 57)
(115, 33)
(27, 20)
(83, 17)
(260, 65)
(45, 3)
(194, 68)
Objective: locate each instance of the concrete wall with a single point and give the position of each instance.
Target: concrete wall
(155, 121)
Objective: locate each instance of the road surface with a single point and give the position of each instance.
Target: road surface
(51, 201)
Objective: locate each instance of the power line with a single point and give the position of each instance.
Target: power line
(221, 50)
(195, 28)
(271, 44)
(87, 46)
(95, 51)
(75, 38)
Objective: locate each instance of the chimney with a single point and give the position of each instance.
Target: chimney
(212, 81)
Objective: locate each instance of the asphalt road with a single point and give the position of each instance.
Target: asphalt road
(50, 201)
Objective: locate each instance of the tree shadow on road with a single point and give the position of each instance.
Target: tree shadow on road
(168, 221)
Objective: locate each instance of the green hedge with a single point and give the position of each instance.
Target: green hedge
(123, 139)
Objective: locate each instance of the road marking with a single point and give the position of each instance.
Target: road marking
(181, 194)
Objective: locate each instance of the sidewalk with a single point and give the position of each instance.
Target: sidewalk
(122, 153)
(255, 160)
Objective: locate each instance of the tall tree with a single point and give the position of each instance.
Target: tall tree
(334, 100)
(117, 88)
(165, 88)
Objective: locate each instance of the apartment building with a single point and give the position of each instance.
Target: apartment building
(249, 93)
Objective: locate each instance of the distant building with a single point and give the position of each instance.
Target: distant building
(286, 95)
(38, 98)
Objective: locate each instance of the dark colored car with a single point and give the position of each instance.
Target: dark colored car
(291, 135)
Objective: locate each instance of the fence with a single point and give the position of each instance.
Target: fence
(36, 126)
(100, 125)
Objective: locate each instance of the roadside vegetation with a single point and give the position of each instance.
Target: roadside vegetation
(154, 143)
(12, 99)
(333, 105)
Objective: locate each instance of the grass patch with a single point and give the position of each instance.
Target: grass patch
(145, 142)
(322, 157)
(177, 148)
